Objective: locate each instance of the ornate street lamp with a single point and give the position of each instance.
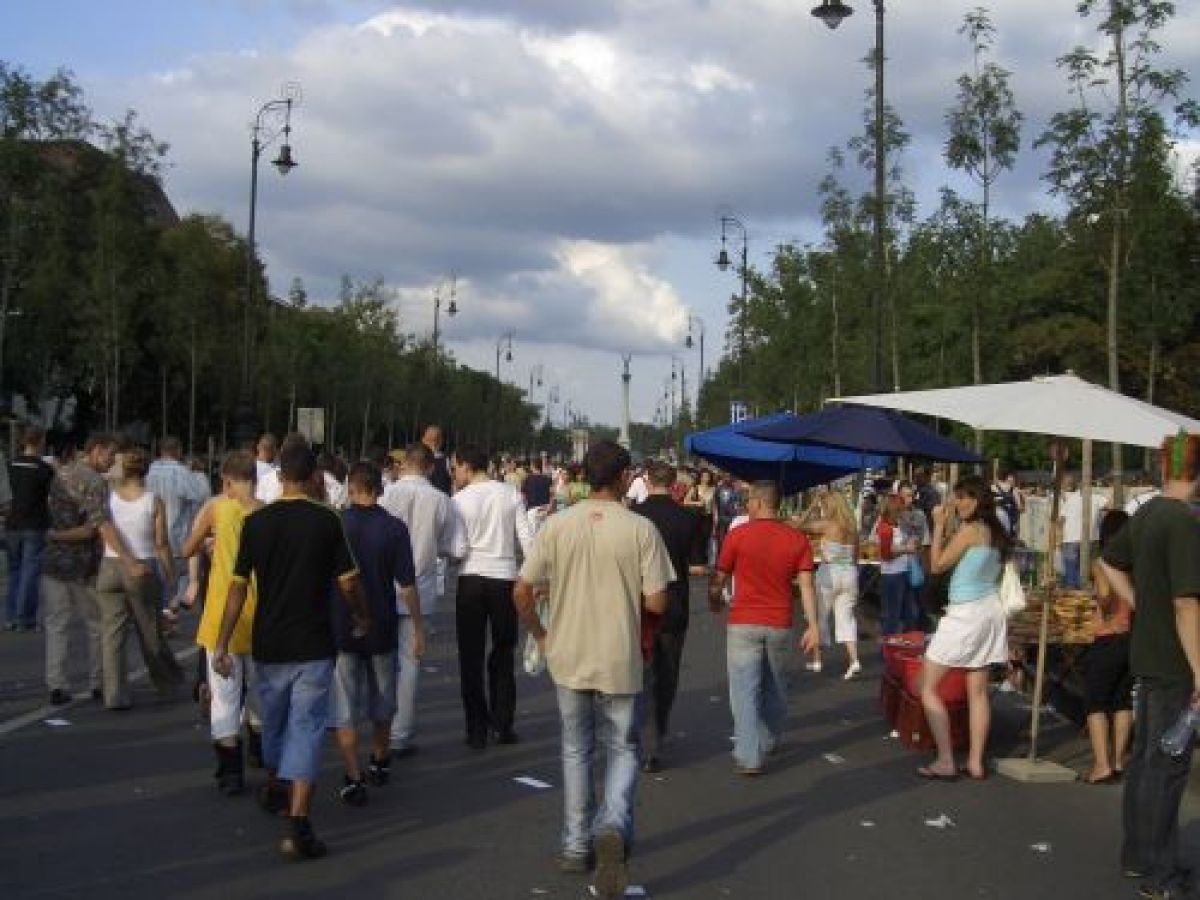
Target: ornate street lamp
(832, 12)
(504, 343)
(728, 222)
(260, 139)
(451, 309)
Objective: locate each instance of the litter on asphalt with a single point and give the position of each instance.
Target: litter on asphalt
(835, 759)
(1040, 848)
(532, 782)
(56, 723)
(634, 890)
(942, 821)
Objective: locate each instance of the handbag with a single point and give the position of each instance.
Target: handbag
(1012, 593)
(915, 574)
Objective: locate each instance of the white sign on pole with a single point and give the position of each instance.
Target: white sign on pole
(310, 422)
(739, 411)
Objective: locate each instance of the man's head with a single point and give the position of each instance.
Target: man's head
(660, 477)
(171, 448)
(135, 463)
(99, 451)
(418, 460)
(238, 466)
(33, 439)
(606, 466)
(1069, 483)
(535, 465)
(469, 461)
(364, 483)
(763, 500)
(268, 447)
(297, 463)
(1181, 465)
(907, 493)
(432, 437)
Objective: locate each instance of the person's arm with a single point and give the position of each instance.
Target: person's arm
(808, 604)
(134, 568)
(193, 586)
(162, 544)
(1187, 625)
(234, 601)
(525, 601)
(1117, 562)
(716, 590)
(201, 528)
(944, 555)
(656, 602)
(78, 534)
(412, 602)
(360, 618)
(524, 529)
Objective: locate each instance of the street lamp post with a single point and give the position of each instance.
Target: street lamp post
(730, 221)
(451, 309)
(696, 321)
(832, 12)
(284, 162)
(505, 343)
(535, 374)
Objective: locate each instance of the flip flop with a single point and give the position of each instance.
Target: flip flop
(1110, 778)
(930, 775)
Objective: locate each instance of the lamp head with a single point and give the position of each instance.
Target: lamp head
(832, 12)
(452, 309)
(508, 356)
(284, 162)
(688, 342)
(723, 260)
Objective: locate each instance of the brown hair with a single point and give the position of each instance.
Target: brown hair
(1180, 457)
(239, 465)
(135, 463)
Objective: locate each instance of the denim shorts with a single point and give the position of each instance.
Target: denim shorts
(364, 686)
(295, 713)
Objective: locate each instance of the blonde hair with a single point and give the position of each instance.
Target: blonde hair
(837, 509)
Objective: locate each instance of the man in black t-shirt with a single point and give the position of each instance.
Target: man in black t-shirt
(295, 549)
(680, 530)
(1154, 562)
(25, 531)
(536, 486)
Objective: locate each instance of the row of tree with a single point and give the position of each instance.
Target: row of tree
(114, 313)
(1108, 288)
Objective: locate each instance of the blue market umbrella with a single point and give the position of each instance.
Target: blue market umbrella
(866, 429)
(794, 467)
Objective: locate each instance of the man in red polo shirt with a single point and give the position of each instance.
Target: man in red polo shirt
(765, 557)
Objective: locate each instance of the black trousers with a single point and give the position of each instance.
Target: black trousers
(661, 676)
(1154, 785)
(485, 605)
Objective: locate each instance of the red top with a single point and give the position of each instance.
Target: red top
(764, 556)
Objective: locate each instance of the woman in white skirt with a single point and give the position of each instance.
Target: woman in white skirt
(973, 634)
(832, 521)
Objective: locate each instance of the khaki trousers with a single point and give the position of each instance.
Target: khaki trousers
(132, 603)
(62, 601)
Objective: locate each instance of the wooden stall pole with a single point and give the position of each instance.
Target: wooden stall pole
(1085, 532)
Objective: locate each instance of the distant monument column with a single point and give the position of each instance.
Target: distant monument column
(623, 438)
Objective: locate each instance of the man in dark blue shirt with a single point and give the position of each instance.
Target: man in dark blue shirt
(367, 664)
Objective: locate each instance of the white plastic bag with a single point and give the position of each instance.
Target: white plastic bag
(535, 662)
(1012, 593)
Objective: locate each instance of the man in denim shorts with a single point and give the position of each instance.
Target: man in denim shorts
(295, 549)
(367, 665)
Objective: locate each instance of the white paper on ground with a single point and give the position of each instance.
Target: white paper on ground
(56, 723)
(532, 782)
(942, 821)
(714, 699)
(1040, 848)
(834, 759)
(634, 890)
(867, 823)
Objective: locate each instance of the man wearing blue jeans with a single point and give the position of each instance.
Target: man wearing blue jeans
(605, 565)
(764, 557)
(1153, 560)
(295, 549)
(29, 477)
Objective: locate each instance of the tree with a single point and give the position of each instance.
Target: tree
(1120, 99)
(985, 134)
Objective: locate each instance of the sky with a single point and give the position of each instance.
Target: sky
(568, 160)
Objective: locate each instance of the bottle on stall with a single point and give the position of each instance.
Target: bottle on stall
(1178, 738)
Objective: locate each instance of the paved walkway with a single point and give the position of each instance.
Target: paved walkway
(116, 805)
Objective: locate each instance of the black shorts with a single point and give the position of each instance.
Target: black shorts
(1107, 682)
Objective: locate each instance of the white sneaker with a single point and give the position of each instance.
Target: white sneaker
(813, 666)
(854, 669)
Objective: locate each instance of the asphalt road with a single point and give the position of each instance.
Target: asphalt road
(122, 804)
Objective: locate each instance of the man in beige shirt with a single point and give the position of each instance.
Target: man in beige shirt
(604, 566)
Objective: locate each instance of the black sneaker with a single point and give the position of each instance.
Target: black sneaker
(353, 792)
(59, 697)
(274, 799)
(301, 842)
(612, 874)
(254, 753)
(379, 771)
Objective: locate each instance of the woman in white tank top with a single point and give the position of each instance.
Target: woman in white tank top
(127, 600)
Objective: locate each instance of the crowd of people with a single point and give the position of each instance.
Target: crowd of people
(315, 580)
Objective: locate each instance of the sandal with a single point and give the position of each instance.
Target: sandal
(931, 774)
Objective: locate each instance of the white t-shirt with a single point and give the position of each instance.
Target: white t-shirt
(1137, 501)
(267, 488)
(493, 516)
(1072, 516)
(638, 492)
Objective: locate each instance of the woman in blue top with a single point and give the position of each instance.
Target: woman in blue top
(973, 634)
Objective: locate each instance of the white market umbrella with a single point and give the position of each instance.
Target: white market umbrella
(1055, 405)
(1059, 405)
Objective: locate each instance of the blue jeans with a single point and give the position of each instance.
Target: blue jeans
(295, 712)
(24, 566)
(1070, 559)
(895, 613)
(757, 656)
(616, 715)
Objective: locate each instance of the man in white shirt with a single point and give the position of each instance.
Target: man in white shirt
(638, 489)
(1071, 518)
(494, 521)
(266, 474)
(432, 528)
